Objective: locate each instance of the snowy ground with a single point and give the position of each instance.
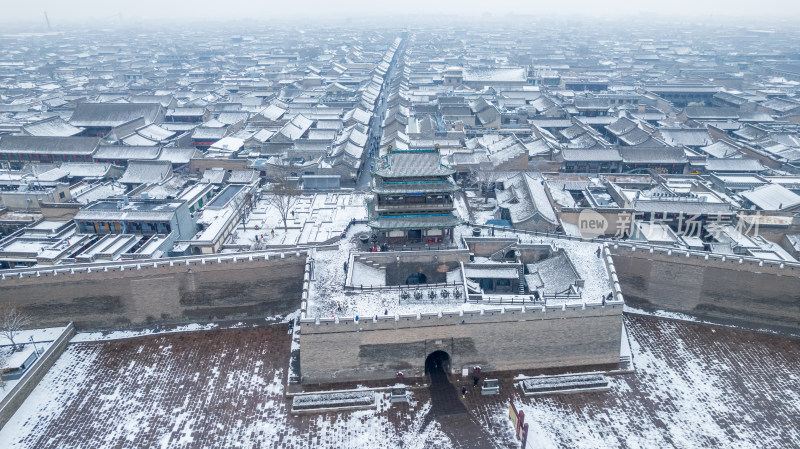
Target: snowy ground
(695, 385)
(317, 218)
(367, 275)
(483, 209)
(39, 335)
(42, 339)
(661, 314)
(190, 390)
(327, 288)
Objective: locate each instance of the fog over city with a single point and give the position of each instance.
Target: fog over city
(92, 11)
(399, 225)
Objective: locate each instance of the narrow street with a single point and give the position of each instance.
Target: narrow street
(375, 128)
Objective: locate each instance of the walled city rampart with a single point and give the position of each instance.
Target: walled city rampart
(733, 289)
(499, 339)
(136, 293)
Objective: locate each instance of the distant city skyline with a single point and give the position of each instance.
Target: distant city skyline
(84, 11)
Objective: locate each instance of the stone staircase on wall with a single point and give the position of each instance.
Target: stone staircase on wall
(370, 263)
(500, 253)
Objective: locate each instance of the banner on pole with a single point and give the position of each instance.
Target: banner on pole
(512, 416)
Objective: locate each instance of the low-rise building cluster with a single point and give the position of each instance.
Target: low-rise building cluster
(689, 138)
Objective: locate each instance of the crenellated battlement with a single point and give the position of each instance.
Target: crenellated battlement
(461, 317)
(120, 269)
(727, 261)
(611, 270)
(111, 295)
(730, 289)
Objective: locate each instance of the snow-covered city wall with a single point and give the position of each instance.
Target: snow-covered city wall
(127, 294)
(731, 289)
(499, 339)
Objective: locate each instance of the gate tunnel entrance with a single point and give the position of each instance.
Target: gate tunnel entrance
(438, 362)
(444, 396)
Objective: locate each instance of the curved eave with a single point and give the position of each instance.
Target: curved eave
(416, 189)
(388, 172)
(390, 223)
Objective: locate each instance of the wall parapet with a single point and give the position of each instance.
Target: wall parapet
(731, 261)
(447, 318)
(391, 256)
(142, 264)
(608, 261)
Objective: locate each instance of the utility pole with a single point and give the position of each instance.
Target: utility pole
(35, 349)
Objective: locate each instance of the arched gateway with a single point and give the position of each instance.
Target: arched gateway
(437, 362)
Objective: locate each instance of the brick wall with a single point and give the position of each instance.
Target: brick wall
(728, 289)
(60, 211)
(199, 288)
(485, 247)
(509, 339)
(201, 165)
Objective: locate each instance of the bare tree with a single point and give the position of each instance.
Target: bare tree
(485, 179)
(12, 321)
(284, 192)
(245, 204)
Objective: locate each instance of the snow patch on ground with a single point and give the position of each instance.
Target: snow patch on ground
(39, 335)
(41, 341)
(661, 314)
(685, 317)
(366, 275)
(82, 337)
(681, 396)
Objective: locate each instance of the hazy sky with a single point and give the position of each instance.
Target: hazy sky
(63, 11)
